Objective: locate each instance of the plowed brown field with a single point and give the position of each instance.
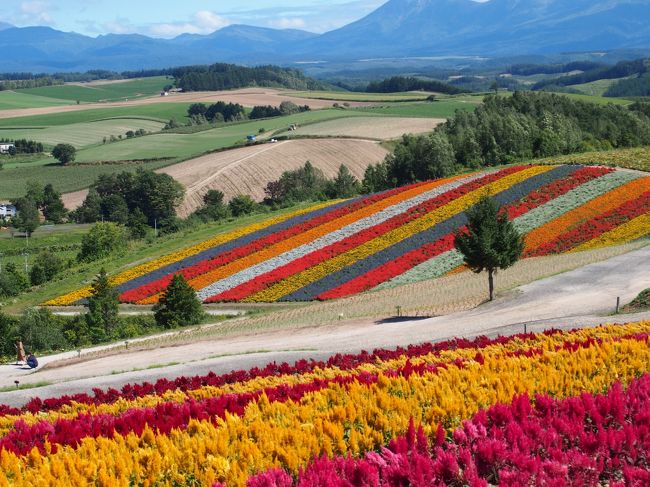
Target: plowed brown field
(248, 170)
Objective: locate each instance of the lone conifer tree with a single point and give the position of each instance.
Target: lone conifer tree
(490, 242)
(179, 305)
(103, 307)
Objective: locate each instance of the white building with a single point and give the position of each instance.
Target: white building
(7, 210)
(5, 146)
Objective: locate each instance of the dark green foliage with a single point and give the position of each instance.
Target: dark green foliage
(52, 205)
(267, 111)
(103, 239)
(28, 218)
(490, 242)
(228, 112)
(137, 224)
(303, 184)
(398, 84)
(635, 86)
(242, 205)
(178, 306)
(65, 153)
(511, 129)
(40, 330)
(620, 70)
(103, 306)
(115, 196)
(344, 185)
(46, 266)
(12, 281)
(229, 76)
(213, 209)
(24, 146)
(8, 333)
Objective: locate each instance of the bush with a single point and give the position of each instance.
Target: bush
(103, 239)
(178, 306)
(65, 153)
(242, 205)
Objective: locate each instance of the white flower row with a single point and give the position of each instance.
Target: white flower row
(443, 263)
(331, 238)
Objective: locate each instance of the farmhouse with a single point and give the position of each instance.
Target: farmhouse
(7, 210)
(5, 147)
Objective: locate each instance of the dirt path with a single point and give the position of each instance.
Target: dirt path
(247, 170)
(581, 297)
(248, 97)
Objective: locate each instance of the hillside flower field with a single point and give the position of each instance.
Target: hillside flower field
(403, 235)
(531, 409)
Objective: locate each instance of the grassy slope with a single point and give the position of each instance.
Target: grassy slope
(635, 158)
(356, 96)
(82, 134)
(12, 100)
(595, 88)
(157, 111)
(136, 253)
(136, 88)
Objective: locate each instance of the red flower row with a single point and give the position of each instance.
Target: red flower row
(585, 440)
(595, 227)
(314, 258)
(190, 272)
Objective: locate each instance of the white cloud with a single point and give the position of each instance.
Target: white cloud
(288, 23)
(34, 13)
(202, 22)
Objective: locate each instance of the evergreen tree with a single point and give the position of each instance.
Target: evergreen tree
(103, 308)
(490, 242)
(52, 205)
(179, 305)
(344, 185)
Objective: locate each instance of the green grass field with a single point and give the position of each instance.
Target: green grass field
(634, 158)
(601, 100)
(444, 108)
(360, 96)
(136, 88)
(82, 134)
(10, 100)
(595, 88)
(158, 111)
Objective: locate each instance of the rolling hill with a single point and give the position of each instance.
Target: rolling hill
(404, 235)
(399, 28)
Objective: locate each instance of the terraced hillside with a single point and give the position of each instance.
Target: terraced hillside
(404, 235)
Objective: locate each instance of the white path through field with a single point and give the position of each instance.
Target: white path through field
(581, 297)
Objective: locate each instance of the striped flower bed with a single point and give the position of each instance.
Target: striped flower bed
(398, 236)
(276, 422)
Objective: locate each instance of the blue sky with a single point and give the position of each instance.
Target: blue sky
(168, 18)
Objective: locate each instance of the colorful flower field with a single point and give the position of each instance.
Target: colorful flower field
(402, 235)
(555, 408)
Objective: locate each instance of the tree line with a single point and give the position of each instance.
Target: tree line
(503, 130)
(23, 146)
(399, 84)
(619, 70)
(222, 76)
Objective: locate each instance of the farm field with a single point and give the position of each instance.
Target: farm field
(596, 88)
(14, 100)
(83, 134)
(397, 237)
(100, 92)
(248, 170)
(378, 128)
(362, 97)
(635, 158)
(461, 410)
(443, 108)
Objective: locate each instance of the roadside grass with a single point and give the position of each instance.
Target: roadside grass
(634, 158)
(10, 100)
(22, 387)
(83, 134)
(638, 304)
(137, 252)
(136, 88)
(156, 111)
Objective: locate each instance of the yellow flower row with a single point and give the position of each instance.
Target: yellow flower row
(301, 279)
(636, 228)
(151, 266)
(332, 421)
(259, 383)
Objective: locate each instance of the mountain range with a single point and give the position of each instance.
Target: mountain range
(399, 28)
